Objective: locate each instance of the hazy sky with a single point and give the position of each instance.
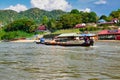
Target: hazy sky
(101, 7)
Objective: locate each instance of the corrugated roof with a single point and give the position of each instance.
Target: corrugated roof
(103, 32)
(42, 27)
(67, 35)
(75, 34)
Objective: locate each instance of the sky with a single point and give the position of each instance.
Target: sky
(101, 7)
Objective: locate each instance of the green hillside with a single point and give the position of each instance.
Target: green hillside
(36, 14)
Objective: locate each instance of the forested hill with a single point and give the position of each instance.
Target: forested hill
(6, 16)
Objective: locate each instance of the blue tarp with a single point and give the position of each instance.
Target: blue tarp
(86, 34)
(101, 21)
(42, 40)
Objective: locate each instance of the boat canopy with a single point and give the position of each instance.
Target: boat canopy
(67, 35)
(74, 35)
(90, 35)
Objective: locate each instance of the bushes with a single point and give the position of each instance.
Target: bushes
(15, 35)
(8, 36)
(22, 25)
(90, 28)
(2, 32)
(19, 28)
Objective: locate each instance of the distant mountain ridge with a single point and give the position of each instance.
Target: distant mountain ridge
(36, 14)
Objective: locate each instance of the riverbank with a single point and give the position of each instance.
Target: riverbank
(25, 41)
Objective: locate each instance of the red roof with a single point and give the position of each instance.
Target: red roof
(115, 19)
(104, 32)
(107, 23)
(79, 25)
(42, 27)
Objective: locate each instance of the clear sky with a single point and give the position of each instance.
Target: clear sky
(101, 7)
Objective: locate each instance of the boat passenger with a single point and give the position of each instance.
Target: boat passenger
(77, 38)
(86, 39)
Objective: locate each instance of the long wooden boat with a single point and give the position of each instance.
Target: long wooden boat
(68, 44)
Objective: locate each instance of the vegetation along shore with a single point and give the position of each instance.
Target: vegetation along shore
(33, 22)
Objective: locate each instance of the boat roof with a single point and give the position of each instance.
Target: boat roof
(74, 35)
(67, 35)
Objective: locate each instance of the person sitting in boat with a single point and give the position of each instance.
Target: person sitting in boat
(86, 39)
(77, 38)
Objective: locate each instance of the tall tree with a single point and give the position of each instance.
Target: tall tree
(70, 20)
(22, 25)
(89, 17)
(45, 20)
(115, 14)
(74, 11)
(52, 25)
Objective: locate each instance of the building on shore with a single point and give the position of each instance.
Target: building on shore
(112, 22)
(109, 35)
(42, 28)
(83, 25)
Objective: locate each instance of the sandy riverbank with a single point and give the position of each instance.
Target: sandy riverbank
(25, 41)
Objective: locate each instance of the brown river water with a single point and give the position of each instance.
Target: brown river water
(31, 61)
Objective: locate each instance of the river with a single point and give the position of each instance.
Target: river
(31, 61)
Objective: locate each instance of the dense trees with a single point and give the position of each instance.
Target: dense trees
(55, 19)
(89, 17)
(74, 11)
(115, 14)
(7, 16)
(18, 28)
(28, 21)
(69, 20)
(21, 25)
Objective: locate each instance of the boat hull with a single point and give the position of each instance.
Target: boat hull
(51, 43)
(39, 43)
(68, 44)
